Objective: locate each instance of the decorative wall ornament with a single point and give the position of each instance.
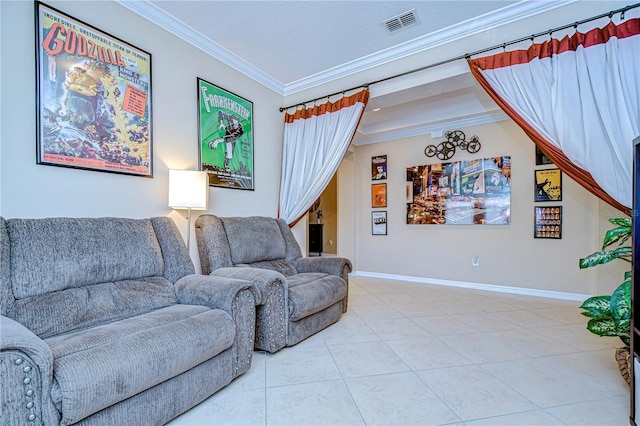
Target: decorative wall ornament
(455, 139)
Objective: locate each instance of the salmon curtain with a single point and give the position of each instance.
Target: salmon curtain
(578, 99)
(315, 141)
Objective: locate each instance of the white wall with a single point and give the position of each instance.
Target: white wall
(508, 254)
(30, 190)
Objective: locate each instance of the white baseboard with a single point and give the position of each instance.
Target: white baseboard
(478, 286)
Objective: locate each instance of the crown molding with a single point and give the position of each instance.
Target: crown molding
(433, 128)
(470, 27)
(489, 21)
(154, 14)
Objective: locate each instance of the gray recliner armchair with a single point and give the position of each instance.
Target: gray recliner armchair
(299, 295)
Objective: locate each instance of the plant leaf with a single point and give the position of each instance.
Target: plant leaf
(621, 234)
(606, 327)
(627, 275)
(621, 221)
(598, 307)
(602, 257)
(621, 302)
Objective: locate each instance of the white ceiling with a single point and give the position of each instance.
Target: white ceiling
(290, 46)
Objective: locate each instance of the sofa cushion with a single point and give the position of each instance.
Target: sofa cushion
(78, 308)
(312, 292)
(279, 265)
(96, 368)
(254, 239)
(54, 254)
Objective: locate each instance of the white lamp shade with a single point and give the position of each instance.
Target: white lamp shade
(188, 189)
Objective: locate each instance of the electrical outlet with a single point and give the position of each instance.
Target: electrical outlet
(475, 261)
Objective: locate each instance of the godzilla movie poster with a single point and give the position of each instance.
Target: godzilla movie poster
(225, 133)
(93, 97)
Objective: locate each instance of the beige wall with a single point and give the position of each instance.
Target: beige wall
(508, 254)
(30, 190)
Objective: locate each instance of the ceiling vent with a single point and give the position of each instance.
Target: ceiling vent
(401, 21)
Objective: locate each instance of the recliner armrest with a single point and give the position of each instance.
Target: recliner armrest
(272, 316)
(27, 375)
(338, 266)
(214, 292)
(236, 297)
(261, 278)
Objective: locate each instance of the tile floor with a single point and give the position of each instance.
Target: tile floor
(414, 354)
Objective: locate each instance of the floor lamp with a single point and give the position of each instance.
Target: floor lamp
(189, 190)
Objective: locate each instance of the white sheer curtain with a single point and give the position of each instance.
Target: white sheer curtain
(315, 140)
(581, 97)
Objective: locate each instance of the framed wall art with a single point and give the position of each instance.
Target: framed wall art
(548, 185)
(548, 222)
(379, 223)
(541, 158)
(93, 97)
(225, 137)
(379, 167)
(472, 192)
(379, 195)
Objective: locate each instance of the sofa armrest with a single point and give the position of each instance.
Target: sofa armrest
(214, 292)
(338, 266)
(263, 279)
(236, 297)
(272, 314)
(26, 367)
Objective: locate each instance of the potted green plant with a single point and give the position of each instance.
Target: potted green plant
(610, 315)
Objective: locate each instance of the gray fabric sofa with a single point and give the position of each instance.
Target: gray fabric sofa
(299, 295)
(103, 321)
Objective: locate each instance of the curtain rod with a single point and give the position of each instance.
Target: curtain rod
(575, 24)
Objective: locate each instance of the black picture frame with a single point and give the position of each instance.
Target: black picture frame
(548, 222)
(93, 97)
(378, 195)
(541, 158)
(548, 185)
(379, 167)
(379, 223)
(225, 137)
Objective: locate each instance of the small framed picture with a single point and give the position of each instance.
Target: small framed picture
(379, 167)
(548, 185)
(379, 195)
(548, 222)
(541, 159)
(379, 223)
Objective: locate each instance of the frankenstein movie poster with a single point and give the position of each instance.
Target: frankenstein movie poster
(225, 124)
(94, 98)
(476, 192)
